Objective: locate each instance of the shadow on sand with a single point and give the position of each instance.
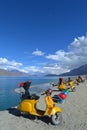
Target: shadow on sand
(16, 112)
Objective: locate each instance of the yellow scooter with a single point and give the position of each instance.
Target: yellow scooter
(29, 106)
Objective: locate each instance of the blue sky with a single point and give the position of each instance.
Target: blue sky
(43, 36)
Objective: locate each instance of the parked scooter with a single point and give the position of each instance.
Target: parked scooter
(30, 106)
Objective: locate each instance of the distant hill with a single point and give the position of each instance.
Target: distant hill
(51, 75)
(82, 70)
(12, 73)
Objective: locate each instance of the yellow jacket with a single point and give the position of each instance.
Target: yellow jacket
(70, 83)
(62, 86)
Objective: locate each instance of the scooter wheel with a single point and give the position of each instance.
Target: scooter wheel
(74, 90)
(56, 119)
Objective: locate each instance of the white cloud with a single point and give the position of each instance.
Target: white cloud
(33, 69)
(59, 62)
(6, 64)
(54, 69)
(47, 69)
(37, 52)
(57, 56)
(79, 43)
(62, 61)
(74, 57)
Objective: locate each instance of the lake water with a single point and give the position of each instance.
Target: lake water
(9, 98)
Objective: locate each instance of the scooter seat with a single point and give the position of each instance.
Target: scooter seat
(34, 96)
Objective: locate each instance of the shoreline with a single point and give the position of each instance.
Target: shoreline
(74, 113)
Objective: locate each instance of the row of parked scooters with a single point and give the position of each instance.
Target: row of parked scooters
(65, 87)
(28, 103)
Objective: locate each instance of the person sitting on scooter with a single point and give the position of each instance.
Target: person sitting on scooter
(49, 100)
(26, 86)
(61, 84)
(70, 83)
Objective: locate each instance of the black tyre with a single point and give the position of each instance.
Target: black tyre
(56, 119)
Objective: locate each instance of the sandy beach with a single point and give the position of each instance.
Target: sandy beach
(74, 114)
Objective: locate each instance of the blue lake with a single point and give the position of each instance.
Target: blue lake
(9, 98)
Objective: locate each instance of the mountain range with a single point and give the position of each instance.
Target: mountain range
(82, 70)
(4, 72)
